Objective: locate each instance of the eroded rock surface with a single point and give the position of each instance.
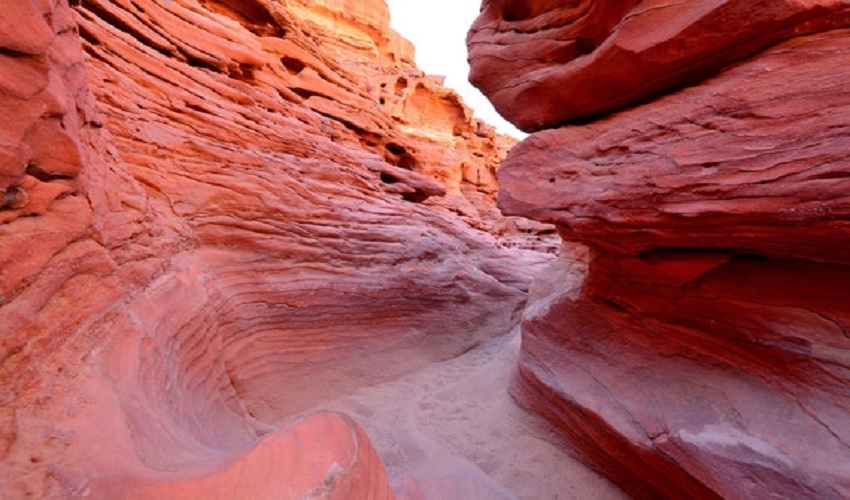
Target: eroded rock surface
(692, 341)
(543, 63)
(215, 214)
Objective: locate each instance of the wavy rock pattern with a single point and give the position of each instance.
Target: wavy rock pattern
(693, 340)
(543, 63)
(214, 215)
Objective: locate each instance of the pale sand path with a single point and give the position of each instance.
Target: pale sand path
(452, 431)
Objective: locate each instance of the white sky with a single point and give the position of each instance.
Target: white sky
(438, 30)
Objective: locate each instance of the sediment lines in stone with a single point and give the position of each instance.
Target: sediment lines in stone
(723, 165)
(264, 215)
(697, 345)
(675, 388)
(544, 64)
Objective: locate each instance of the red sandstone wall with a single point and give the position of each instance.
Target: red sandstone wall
(692, 341)
(214, 214)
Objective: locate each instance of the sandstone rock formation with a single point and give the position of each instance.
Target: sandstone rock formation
(544, 63)
(692, 341)
(214, 214)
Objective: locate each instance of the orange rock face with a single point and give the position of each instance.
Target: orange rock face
(213, 215)
(693, 341)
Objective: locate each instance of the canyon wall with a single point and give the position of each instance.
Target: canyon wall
(215, 214)
(692, 340)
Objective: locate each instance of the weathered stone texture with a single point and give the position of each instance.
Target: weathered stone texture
(692, 341)
(214, 215)
(543, 63)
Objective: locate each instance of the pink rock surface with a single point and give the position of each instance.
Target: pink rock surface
(326, 455)
(692, 341)
(543, 63)
(724, 165)
(699, 376)
(214, 215)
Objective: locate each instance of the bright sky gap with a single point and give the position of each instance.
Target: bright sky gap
(438, 30)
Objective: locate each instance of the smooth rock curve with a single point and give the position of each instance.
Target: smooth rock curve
(215, 214)
(692, 340)
(543, 63)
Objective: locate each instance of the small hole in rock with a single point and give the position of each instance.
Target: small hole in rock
(407, 162)
(400, 85)
(388, 178)
(396, 149)
(586, 45)
(293, 66)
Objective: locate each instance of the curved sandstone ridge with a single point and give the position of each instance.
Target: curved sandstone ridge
(215, 215)
(543, 63)
(722, 166)
(692, 341)
(325, 456)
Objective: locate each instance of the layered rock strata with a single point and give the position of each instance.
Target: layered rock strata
(693, 339)
(545, 63)
(214, 215)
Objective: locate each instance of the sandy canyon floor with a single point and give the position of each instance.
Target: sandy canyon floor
(452, 430)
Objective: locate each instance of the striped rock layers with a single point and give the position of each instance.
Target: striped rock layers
(215, 214)
(693, 339)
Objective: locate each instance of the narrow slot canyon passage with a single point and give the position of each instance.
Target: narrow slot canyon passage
(248, 249)
(451, 430)
(222, 218)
